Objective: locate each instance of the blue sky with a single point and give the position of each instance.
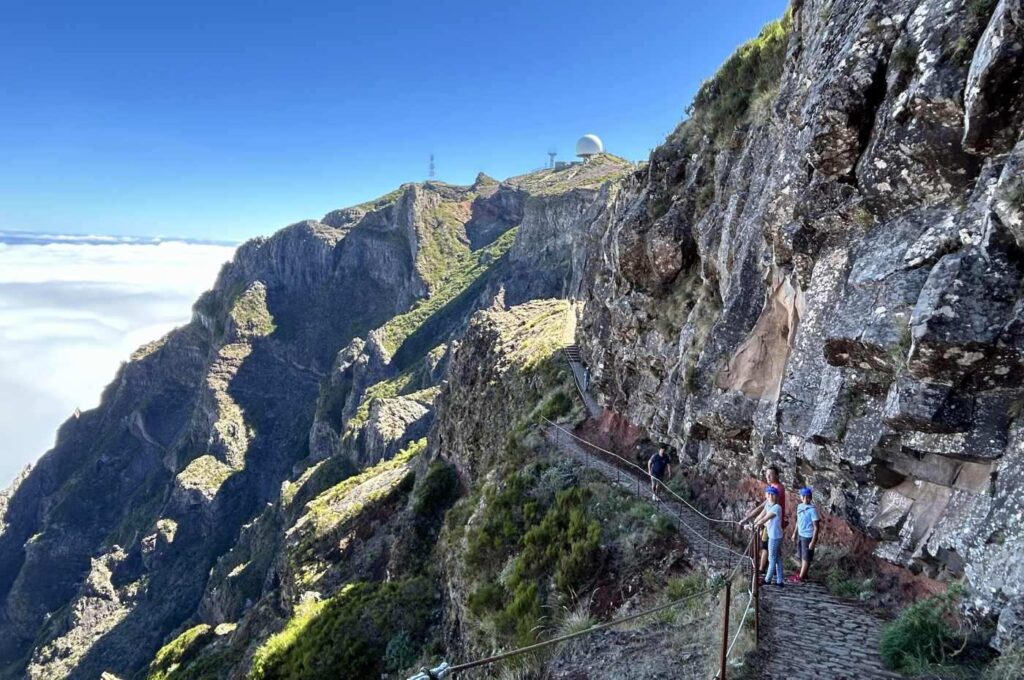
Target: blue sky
(225, 120)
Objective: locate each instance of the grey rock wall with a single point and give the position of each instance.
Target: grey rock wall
(847, 304)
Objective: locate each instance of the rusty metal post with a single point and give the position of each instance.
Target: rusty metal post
(725, 629)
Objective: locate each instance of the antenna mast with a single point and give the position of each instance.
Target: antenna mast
(432, 172)
(552, 152)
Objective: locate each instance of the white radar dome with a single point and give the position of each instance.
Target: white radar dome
(589, 145)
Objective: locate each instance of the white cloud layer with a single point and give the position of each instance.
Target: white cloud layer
(70, 313)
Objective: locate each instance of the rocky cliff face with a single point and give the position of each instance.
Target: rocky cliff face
(821, 269)
(205, 488)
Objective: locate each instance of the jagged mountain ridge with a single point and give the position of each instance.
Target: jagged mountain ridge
(196, 435)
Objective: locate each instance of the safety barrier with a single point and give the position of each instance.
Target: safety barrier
(716, 553)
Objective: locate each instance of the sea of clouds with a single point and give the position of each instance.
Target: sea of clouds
(71, 309)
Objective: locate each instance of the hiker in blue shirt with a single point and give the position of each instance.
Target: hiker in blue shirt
(658, 467)
(805, 535)
(771, 518)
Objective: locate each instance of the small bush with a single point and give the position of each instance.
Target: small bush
(691, 584)
(925, 634)
(555, 551)
(401, 652)
(487, 598)
(522, 619)
(564, 539)
(507, 513)
(842, 584)
(436, 492)
(555, 406)
(905, 58)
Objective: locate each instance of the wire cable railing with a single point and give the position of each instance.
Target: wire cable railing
(446, 669)
(738, 561)
(702, 536)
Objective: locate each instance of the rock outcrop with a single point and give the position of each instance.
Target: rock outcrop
(840, 288)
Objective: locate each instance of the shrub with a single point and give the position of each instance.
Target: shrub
(507, 513)
(564, 539)
(522, 618)
(554, 406)
(436, 492)
(905, 57)
(401, 652)
(487, 598)
(923, 635)
(559, 554)
(692, 583)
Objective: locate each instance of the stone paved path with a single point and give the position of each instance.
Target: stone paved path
(809, 634)
(806, 632)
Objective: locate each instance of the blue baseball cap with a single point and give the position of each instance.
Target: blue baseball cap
(806, 491)
(772, 490)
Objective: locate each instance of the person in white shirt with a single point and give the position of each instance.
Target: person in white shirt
(771, 518)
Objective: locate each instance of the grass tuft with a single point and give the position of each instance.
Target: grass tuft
(926, 634)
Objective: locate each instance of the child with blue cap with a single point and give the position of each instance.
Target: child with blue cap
(806, 532)
(771, 519)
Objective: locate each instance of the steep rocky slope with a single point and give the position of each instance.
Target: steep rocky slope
(821, 269)
(317, 352)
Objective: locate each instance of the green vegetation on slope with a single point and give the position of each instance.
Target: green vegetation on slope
(930, 638)
(338, 504)
(752, 71)
(179, 651)
(556, 552)
(459, 273)
(442, 241)
(365, 630)
(250, 312)
(602, 168)
(385, 389)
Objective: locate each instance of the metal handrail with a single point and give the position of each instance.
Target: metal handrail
(645, 472)
(709, 520)
(445, 668)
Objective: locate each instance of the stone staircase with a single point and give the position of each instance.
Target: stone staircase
(809, 634)
(579, 372)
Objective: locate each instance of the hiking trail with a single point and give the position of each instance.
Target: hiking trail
(806, 632)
